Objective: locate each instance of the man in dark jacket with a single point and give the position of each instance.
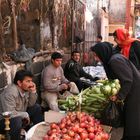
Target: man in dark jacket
(73, 71)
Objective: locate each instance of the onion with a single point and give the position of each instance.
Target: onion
(63, 120)
(68, 122)
(83, 125)
(71, 133)
(76, 126)
(53, 126)
(104, 136)
(84, 135)
(46, 137)
(90, 129)
(67, 137)
(98, 137)
(91, 136)
(64, 130)
(77, 137)
(62, 125)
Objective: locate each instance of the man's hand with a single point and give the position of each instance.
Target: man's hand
(64, 86)
(32, 88)
(95, 78)
(26, 121)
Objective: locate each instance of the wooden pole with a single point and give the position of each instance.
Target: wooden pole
(128, 18)
(1, 30)
(72, 23)
(14, 25)
(1, 36)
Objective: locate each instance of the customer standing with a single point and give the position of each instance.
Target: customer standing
(129, 47)
(119, 67)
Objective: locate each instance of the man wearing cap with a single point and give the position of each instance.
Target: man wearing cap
(54, 82)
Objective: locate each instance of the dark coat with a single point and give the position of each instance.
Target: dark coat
(134, 54)
(73, 71)
(129, 78)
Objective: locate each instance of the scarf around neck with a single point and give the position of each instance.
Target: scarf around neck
(125, 41)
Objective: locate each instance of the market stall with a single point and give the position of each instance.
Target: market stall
(80, 118)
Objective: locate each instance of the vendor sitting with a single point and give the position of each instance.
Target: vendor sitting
(20, 99)
(73, 71)
(54, 83)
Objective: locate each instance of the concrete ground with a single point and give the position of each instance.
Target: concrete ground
(116, 133)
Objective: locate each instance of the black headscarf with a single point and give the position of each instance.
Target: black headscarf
(104, 50)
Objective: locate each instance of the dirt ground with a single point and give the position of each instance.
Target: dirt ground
(116, 133)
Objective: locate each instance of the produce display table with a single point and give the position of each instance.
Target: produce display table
(38, 131)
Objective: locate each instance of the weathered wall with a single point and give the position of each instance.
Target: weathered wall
(27, 24)
(137, 19)
(43, 25)
(117, 10)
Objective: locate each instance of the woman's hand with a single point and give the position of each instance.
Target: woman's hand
(113, 98)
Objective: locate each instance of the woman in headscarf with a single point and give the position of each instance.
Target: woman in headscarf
(119, 67)
(129, 47)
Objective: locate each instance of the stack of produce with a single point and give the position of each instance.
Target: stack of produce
(92, 100)
(77, 126)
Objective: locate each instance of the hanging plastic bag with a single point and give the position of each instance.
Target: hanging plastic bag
(113, 114)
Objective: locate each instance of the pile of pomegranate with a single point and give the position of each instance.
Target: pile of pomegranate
(76, 126)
